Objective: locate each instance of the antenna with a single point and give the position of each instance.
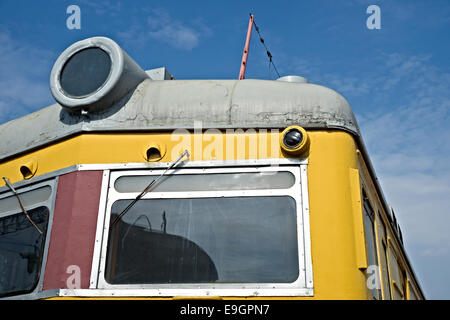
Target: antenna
(246, 49)
(245, 54)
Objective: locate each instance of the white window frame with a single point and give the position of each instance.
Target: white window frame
(303, 286)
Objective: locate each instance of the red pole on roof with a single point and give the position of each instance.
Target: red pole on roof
(245, 54)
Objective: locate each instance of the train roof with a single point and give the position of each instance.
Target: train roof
(175, 104)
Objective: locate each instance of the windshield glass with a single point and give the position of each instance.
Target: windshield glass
(204, 240)
(21, 250)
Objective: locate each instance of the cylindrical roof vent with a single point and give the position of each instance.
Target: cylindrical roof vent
(297, 79)
(93, 74)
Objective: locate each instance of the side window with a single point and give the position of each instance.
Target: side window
(21, 251)
(384, 262)
(22, 241)
(412, 295)
(397, 276)
(371, 247)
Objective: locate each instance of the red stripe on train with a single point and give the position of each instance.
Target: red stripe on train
(72, 239)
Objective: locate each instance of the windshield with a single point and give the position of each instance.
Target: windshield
(204, 240)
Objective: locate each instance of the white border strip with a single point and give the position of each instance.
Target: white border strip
(306, 226)
(194, 164)
(93, 283)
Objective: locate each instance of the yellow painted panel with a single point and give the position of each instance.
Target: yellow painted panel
(131, 148)
(361, 255)
(332, 189)
(336, 276)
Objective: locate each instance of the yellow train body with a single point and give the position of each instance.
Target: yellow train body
(336, 176)
(62, 167)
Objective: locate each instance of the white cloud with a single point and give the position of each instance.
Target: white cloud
(417, 110)
(175, 34)
(351, 85)
(105, 7)
(347, 85)
(402, 103)
(160, 26)
(409, 141)
(24, 77)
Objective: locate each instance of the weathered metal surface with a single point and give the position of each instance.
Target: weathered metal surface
(160, 74)
(169, 105)
(73, 230)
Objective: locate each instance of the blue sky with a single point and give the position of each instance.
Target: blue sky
(397, 79)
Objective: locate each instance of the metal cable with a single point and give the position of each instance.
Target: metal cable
(261, 39)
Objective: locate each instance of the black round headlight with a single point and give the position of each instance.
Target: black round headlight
(292, 138)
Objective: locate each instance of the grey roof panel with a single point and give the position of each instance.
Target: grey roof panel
(169, 105)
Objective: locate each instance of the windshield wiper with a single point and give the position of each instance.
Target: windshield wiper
(147, 189)
(21, 205)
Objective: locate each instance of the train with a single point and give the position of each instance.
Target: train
(137, 185)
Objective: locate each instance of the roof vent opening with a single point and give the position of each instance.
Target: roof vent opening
(85, 72)
(93, 74)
